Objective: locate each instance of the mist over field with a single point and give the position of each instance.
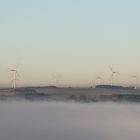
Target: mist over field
(69, 121)
(69, 69)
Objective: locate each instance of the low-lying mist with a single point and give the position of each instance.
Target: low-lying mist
(69, 121)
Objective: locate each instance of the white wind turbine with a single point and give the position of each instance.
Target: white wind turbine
(14, 79)
(136, 80)
(56, 79)
(113, 73)
(99, 79)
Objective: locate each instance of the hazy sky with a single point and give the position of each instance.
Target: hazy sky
(75, 40)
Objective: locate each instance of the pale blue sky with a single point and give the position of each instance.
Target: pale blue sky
(76, 40)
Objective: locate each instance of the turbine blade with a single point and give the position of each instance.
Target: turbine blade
(17, 66)
(18, 74)
(116, 72)
(110, 68)
(134, 76)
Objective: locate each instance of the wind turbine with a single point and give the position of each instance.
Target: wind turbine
(99, 79)
(14, 79)
(113, 73)
(136, 80)
(56, 78)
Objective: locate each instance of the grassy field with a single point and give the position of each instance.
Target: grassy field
(72, 94)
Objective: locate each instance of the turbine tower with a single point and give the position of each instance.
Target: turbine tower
(14, 79)
(136, 80)
(113, 73)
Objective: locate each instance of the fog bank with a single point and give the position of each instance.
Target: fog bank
(69, 121)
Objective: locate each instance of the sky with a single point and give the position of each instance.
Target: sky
(69, 42)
